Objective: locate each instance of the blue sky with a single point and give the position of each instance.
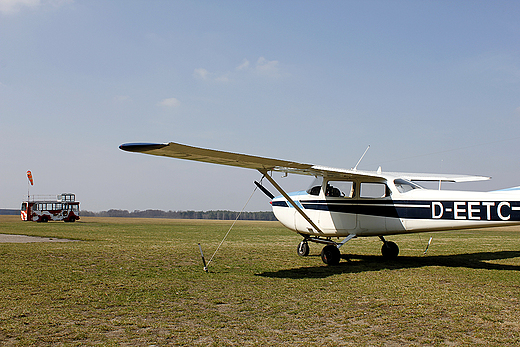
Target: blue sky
(432, 86)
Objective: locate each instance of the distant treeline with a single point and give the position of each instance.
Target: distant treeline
(218, 215)
(5, 211)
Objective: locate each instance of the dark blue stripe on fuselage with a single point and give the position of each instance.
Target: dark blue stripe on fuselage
(371, 208)
(280, 203)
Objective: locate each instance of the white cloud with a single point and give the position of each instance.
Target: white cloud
(263, 67)
(171, 102)
(223, 78)
(15, 6)
(201, 73)
(243, 66)
(267, 67)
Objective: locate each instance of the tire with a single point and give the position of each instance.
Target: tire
(330, 255)
(303, 249)
(390, 250)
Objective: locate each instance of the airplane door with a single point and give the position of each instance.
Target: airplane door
(339, 216)
(373, 199)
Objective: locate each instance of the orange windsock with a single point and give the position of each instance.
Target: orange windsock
(29, 176)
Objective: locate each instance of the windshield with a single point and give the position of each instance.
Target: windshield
(315, 186)
(404, 186)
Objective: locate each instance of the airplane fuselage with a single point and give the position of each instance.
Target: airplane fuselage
(395, 212)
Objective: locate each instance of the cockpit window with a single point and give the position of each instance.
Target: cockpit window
(340, 189)
(315, 187)
(404, 186)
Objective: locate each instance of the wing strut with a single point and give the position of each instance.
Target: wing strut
(291, 201)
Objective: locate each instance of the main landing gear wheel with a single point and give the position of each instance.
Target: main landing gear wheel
(330, 255)
(389, 250)
(303, 249)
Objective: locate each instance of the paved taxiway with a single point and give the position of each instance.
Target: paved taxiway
(6, 238)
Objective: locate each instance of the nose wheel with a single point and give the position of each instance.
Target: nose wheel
(389, 250)
(303, 249)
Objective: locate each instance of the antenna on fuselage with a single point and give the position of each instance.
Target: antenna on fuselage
(359, 161)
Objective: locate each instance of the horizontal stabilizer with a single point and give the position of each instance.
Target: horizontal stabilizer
(438, 177)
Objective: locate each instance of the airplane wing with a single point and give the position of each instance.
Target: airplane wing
(180, 151)
(176, 150)
(263, 164)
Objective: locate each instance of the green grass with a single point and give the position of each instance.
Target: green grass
(141, 282)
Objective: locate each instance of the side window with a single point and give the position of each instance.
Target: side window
(371, 190)
(314, 190)
(343, 189)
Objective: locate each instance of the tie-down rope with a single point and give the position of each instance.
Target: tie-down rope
(232, 225)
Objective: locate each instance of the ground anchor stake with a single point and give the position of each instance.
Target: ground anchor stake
(203, 260)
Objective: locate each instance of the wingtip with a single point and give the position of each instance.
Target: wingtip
(141, 147)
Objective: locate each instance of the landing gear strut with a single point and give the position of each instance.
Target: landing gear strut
(389, 250)
(330, 253)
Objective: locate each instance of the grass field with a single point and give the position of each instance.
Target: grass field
(141, 282)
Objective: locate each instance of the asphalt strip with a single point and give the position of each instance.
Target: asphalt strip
(7, 238)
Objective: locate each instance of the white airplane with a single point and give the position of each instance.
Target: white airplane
(352, 203)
